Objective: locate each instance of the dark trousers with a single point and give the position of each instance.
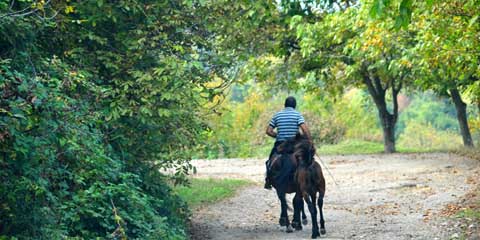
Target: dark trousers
(273, 152)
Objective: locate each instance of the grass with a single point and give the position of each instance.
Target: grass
(352, 147)
(469, 216)
(470, 213)
(366, 147)
(355, 146)
(206, 191)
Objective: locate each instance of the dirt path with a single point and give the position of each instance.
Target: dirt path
(399, 196)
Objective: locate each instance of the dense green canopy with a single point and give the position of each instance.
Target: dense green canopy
(97, 96)
(99, 100)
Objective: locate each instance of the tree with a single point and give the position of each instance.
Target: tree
(447, 52)
(347, 49)
(95, 98)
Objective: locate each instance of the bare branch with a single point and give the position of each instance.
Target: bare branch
(11, 5)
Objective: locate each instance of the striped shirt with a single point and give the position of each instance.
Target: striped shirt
(286, 122)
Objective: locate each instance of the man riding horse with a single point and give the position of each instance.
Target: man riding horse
(291, 168)
(287, 122)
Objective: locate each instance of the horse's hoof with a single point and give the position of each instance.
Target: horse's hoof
(304, 221)
(323, 231)
(294, 224)
(315, 234)
(297, 225)
(289, 229)
(283, 222)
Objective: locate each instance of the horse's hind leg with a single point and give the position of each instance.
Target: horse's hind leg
(304, 216)
(297, 208)
(284, 214)
(320, 207)
(313, 212)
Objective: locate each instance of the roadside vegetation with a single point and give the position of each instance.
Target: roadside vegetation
(99, 99)
(201, 192)
(346, 125)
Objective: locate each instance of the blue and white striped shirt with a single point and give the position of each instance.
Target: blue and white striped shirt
(286, 122)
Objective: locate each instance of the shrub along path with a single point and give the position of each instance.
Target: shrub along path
(397, 196)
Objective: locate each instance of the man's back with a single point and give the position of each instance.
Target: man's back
(287, 122)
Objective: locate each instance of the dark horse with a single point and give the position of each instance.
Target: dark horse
(283, 165)
(310, 181)
(295, 171)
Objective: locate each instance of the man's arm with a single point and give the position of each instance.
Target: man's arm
(305, 131)
(270, 132)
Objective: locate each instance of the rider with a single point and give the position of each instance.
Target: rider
(287, 122)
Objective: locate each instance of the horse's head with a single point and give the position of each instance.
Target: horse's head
(300, 147)
(304, 151)
(288, 147)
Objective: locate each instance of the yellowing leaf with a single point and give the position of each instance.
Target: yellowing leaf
(69, 9)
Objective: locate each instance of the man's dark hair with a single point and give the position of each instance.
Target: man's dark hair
(290, 102)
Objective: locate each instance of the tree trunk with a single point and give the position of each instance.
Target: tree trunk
(461, 108)
(388, 125)
(387, 119)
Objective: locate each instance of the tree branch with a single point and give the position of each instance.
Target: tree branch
(378, 84)
(399, 85)
(395, 102)
(23, 12)
(368, 81)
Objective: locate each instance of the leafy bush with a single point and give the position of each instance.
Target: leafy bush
(239, 129)
(95, 98)
(417, 134)
(474, 124)
(58, 176)
(426, 123)
(429, 110)
(352, 116)
(325, 128)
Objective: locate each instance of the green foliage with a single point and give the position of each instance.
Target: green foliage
(208, 191)
(349, 117)
(402, 13)
(347, 125)
(97, 97)
(59, 178)
(428, 109)
(446, 42)
(353, 146)
(421, 135)
(239, 130)
(234, 131)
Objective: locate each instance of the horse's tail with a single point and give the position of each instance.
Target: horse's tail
(319, 178)
(316, 179)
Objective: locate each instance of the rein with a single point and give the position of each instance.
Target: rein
(328, 169)
(323, 163)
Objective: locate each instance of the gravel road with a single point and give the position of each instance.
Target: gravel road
(395, 196)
